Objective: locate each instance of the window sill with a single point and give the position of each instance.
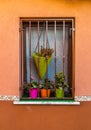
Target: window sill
(47, 102)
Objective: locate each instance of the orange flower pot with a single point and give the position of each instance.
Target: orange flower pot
(45, 93)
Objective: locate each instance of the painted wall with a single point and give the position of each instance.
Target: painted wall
(11, 10)
(27, 117)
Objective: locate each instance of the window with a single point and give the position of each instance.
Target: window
(47, 58)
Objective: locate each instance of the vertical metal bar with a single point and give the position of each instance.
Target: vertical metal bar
(38, 53)
(73, 60)
(30, 29)
(46, 34)
(27, 54)
(22, 59)
(21, 62)
(38, 35)
(47, 56)
(63, 45)
(55, 54)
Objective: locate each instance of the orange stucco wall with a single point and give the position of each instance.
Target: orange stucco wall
(11, 10)
(27, 117)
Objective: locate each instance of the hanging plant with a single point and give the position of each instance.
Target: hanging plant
(43, 57)
(46, 52)
(42, 60)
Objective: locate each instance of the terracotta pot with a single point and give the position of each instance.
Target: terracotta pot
(45, 93)
(33, 92)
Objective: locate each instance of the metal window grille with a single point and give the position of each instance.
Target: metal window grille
(53, 33)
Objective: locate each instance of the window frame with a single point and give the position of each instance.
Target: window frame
(21, 39)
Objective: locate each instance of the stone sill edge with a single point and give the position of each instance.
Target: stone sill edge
(46, 103)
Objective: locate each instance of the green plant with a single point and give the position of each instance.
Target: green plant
(27, 85)
(60, 81)
(46, 84)
(33, 84)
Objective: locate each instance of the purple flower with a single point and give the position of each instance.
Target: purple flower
(32, 78)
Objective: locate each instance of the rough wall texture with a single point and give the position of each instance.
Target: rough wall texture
(11, 10)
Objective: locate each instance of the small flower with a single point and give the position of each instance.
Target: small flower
(32, 77)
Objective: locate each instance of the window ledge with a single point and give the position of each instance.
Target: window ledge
(47, 102)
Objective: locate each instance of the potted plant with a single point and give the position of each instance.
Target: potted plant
(42, 60)
(45, 88)
(32, 88)
(46, 52)
(25, 90)
(60, 85)
(67, 90)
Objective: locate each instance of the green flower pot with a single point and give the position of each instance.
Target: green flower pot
(59, 93)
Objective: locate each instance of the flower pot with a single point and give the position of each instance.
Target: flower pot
(45, 93)
(33, 92)
(59, 93)
(40, 63)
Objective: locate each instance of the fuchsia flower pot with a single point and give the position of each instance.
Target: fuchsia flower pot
(33, 92)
